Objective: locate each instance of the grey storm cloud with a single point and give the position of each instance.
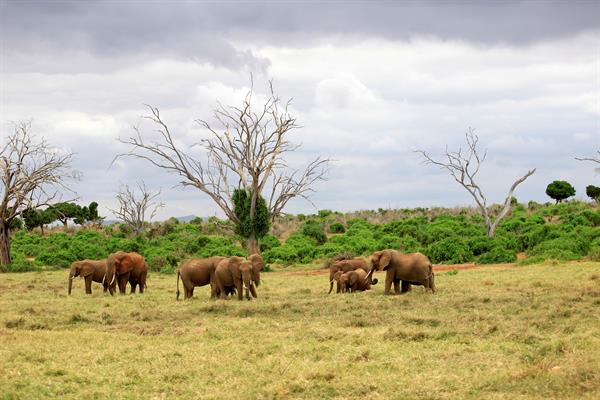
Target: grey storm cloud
(371, 82)
(203, 30)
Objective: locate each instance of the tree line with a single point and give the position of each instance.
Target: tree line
(244, 170)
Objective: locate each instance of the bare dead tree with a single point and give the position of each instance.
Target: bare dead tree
(595, 159)
(32, 174)
(463, 167)
(247, 150)
(135, 209)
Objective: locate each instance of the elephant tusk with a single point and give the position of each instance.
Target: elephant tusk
(113, 279)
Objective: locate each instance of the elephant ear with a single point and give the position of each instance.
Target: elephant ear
(384, 261)
(257, 262)
(125, 264)
(337, 275)
(353, 279)
(85, 268)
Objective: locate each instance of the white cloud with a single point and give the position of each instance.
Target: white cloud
(367, 103)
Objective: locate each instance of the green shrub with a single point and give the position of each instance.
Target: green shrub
(314, 229)
(268, 242)
(337, 227)
(19, 264)
(497, 255)
(449, 251)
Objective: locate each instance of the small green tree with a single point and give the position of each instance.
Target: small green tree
(34, 218)
(66, 211)
(88, 214)
(560, 190)
(593, 193)
(250, 228)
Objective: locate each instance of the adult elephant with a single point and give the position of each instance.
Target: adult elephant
(346, 266)
(410, 269)
(196, 272)
(91, 271)
(125, 267)
(234, 272)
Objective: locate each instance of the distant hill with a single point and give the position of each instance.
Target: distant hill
(185, 218)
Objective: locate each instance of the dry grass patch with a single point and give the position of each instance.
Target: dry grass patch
(519, 333)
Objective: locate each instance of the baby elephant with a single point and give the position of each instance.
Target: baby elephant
(91, 271)
(352, 281)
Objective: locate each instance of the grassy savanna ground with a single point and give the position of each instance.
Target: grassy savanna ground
(495, 333)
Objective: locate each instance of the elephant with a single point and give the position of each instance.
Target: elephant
(196, 272)
(349, 265)
(352, 281)
(234, 272)
(91, 271)
(126, 267)
(410, 268)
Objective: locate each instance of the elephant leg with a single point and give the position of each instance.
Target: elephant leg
(397, 286)
(133, 287)
(240, 291)
(88, 284)
(388, 283)
(123, 284)
(431, 283)
(406, 287)
(191, 292)
(253, 291)
(339, 287)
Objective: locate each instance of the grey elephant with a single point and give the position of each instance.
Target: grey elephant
(91, 271)
(410, 269)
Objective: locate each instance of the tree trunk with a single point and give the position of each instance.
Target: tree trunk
(252, 245)
(65, 223)
(5, 243)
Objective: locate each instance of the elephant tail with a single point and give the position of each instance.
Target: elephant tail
(177, 286)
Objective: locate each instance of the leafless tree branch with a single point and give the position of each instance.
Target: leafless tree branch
(32, 174)
(134, 209)
(464, 167)
(246, 148)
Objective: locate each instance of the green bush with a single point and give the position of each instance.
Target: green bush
(268, 242)
(337, 227)
(314, 229)
(450, 251)
(497, 255)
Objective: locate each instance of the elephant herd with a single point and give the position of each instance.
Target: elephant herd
(402, 270)
(241, 276)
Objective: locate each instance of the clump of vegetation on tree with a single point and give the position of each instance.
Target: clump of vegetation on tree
(560, 190)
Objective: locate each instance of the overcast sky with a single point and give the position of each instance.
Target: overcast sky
(370, 82)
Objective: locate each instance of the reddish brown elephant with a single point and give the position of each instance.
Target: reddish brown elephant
(349, 265)
(352, 281)
(196, 272)
(410, 269)
(234, 272)
(126, 267)
(91, 271)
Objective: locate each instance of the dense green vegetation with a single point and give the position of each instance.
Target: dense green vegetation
(566, 231)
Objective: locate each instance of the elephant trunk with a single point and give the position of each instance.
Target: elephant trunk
(70, 283)
(72, 275)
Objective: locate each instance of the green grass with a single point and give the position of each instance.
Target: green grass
(529, 332)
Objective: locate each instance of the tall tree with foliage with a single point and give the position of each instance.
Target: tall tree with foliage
(593, 192)
(560, 190)
(247, 150)
(35, 218)
(463, 166)
(88, 214)
(251, 227)
(31, 173)
(66, 211)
